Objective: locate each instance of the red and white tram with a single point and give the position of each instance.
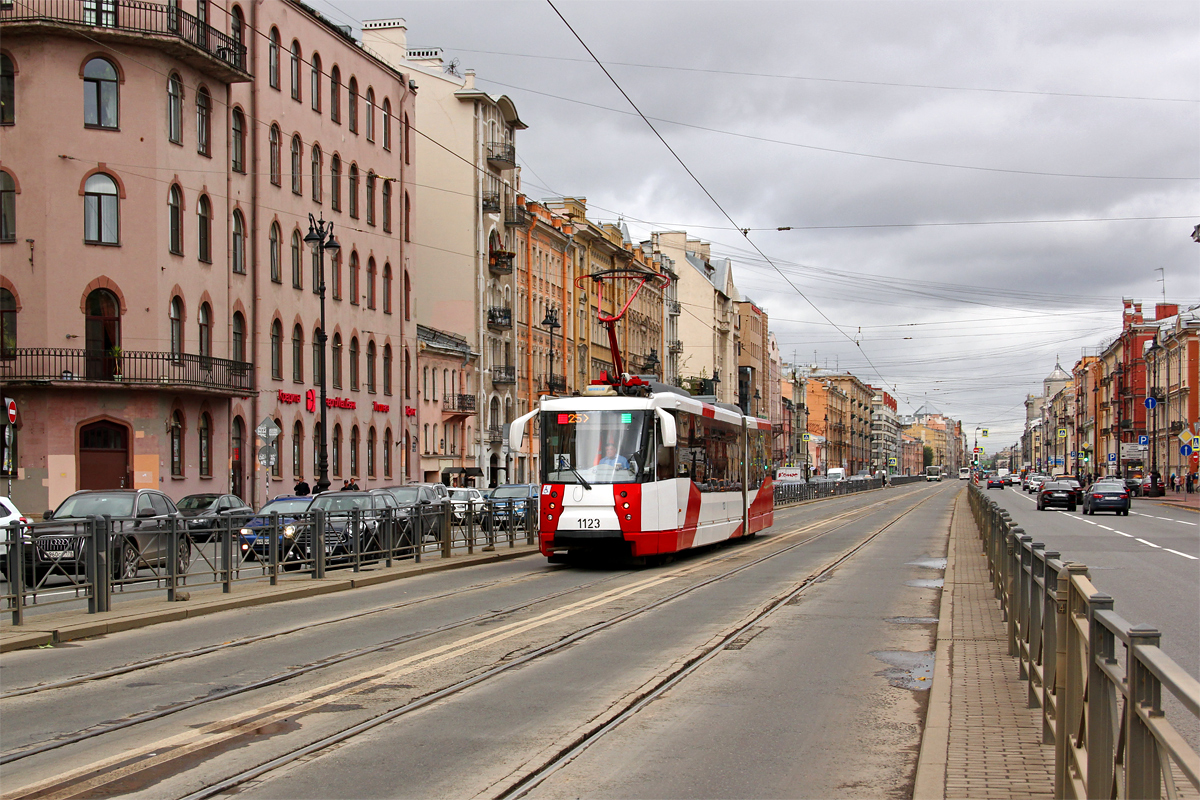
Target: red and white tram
(638, 468)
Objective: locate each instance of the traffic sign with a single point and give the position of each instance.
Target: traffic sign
(1186, 450)
(11, 405)
(1062, 433)
(892, 462)
(267, 455)
(1151, 402)
(978, 449)
(804, 437)
(267, 430)
(1072, 454)
(1112, 456)
(985, 433)
(1187, 436)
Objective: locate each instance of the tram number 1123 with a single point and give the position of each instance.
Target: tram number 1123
(586, 522)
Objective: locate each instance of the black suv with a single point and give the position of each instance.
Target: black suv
(420, 502)
(350, 516)
(141, 521)
(206, 513)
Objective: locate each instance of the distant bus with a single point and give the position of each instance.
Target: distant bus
(933, 473)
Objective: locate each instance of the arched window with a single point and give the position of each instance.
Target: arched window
(239, 337)
(354, 363)
(370, 114)
(335, 95)
(317, 167)
(407, 375)
(277, 468)
(352, 100)
(204, 229)
(371, 452)
(316, 356)
(436, 444)
(387, 453)
(8, 324)
(203, 121)
(370, 197)
(314, 87)
(297, 279)
(335, 182)
(371, 282)
(177, 444)
(239, 242)
(175, 313)
(425, 436)
(237, 440)
(100, 96)
(298, 450)
(175, 109)
(238, 143)
(277, 350)
(385, 200)
(101, 217)
(371, 367)
(336, 269)
(276, 143)
(387, 125)
(354, 277)
(407, 218)
(175, 220)
(297, 176)
(316, 451)
(274, 245)
(316, 270)
(387, 369)
(354, 191)
(295, 71)
(335, 446)
(335, 361)
(273, 59)
(387, 288)
(354, 452)
(8, 91)
(237, 31)
(407, 292)
(204, 330)
(204, 441)
(297, 353)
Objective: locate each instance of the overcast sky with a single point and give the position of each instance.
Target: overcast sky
(874, 130)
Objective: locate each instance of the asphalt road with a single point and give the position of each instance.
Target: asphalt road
(822, 697)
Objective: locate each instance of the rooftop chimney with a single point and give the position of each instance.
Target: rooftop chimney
(387, 38)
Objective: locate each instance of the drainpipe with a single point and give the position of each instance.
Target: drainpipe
(252, 255)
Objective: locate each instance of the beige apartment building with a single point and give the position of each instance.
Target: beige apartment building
(753, 354)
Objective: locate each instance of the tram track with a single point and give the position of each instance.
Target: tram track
(191, 745)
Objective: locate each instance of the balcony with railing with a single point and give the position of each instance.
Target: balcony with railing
(500, 318)
(516, 214)
(501, 155)
(675, 346)
(500, 262)
(91, 369)
(494, 435)
(504, 375)
(674, 308)
(556, 383)
(459, 403)
(491, 202)
(126, 22)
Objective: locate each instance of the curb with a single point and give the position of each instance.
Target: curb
(24, 638)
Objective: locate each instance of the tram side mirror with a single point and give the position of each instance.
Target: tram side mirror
(667, 424)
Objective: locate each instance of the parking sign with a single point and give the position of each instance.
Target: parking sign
(1144, 440)
(1112, 456)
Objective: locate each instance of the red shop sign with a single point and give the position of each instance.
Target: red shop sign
(380, 407)
(288, 397)
(409, 411)
(340, 402)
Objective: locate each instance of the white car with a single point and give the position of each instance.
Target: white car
(8, 516)
(468, 498)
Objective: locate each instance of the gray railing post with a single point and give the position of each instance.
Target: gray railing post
(273, 549)
(416, 530)
(316, 541)
(1101, 699)
(1036, 634)
(16, 574)
(1018, 618)
(103, 545)
(1142, 765)
(389, 520)
(470, 525)
(226, 554)
(355, 528)
(172, 559)
(490, 539)
(447, 528)
(1070, 680)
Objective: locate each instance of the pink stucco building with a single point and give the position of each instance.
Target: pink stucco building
(159, 298)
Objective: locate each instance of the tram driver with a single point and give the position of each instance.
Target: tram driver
(612, 459)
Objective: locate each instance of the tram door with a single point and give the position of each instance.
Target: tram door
(104, 456)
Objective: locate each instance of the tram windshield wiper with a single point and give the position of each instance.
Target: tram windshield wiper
(575, 472)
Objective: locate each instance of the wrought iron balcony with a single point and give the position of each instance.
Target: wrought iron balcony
(556, 383)
(501, 155)
(504, 375)
(491, 202)
(129, 22)
(501, 262)
(516, 214)
(459, 403)
(90, 368)
(675, 346)
(494, 435)
(500, 318)
(674, 308)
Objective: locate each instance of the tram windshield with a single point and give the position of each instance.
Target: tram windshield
(596, 446)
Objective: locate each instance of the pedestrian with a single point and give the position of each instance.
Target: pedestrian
(1191, 482)
(301, 489)
(354, 484)
(345, 486)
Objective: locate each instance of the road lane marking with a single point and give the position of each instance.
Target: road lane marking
(1130, 535)
(1185, 555)
(1105, 527)
(1152, 544)
(1126, 535)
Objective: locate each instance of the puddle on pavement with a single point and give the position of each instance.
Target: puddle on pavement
(912, 620)
(926, 583)
(928, 563)
(907, 670)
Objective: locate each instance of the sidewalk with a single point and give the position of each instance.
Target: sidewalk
(1177, 499)
(981, 740)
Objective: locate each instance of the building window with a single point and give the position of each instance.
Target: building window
(297, 450)
(273, 246)
(387, 369)
(354, 191)
(317, 167)
(276, 143)
(354, 363)
(237, 30)
(297, 280)
(370, 198)
(407, 375)
(336, 448)
(175, 220)
(387, 453)
(335, 182)
(204, 329)
(297, 176)
(354, 452)
(101, 218)
(238, 143)
(335, 95)
(295, 70)
(177, 444)
(371, 367)
(277, 468)
(371, 282)
(407, 218)
(407, 140)
(239, 243)
(370, 112)
(203, 121)
(387, 288)
(336, 267)
(175, 109)
(297, 353)
(277, 350)
(407, 293)
(316, 270)
(314, 88)
(354, 278)
(352, 95)
(371, 452)
(175, 313)
(317, 352)
(239, 337)
(204, 440)
(273, 59)
(8, 91)
(8, 324)
(387, 124)
(204, 229)
(385, 200)
(335, 361)
(100, 96)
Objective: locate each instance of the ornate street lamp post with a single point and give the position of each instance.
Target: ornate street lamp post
(320, 238)
(551, 322)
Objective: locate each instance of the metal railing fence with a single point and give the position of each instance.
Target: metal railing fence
(1098, 680)
(142, 368)
(790, 493)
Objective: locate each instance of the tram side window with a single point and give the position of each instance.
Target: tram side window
(759, 462)
(664, 457)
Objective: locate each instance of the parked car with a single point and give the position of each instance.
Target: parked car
(512, 501)
(350, 518)
(1152, 490)
(206, 513)
(1106, 495)
(1057, 493)
(995, 482)
(467, 502)
(1134, 485)
(9, 516)
(141, 522)
(254, 538)
(419, 501)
